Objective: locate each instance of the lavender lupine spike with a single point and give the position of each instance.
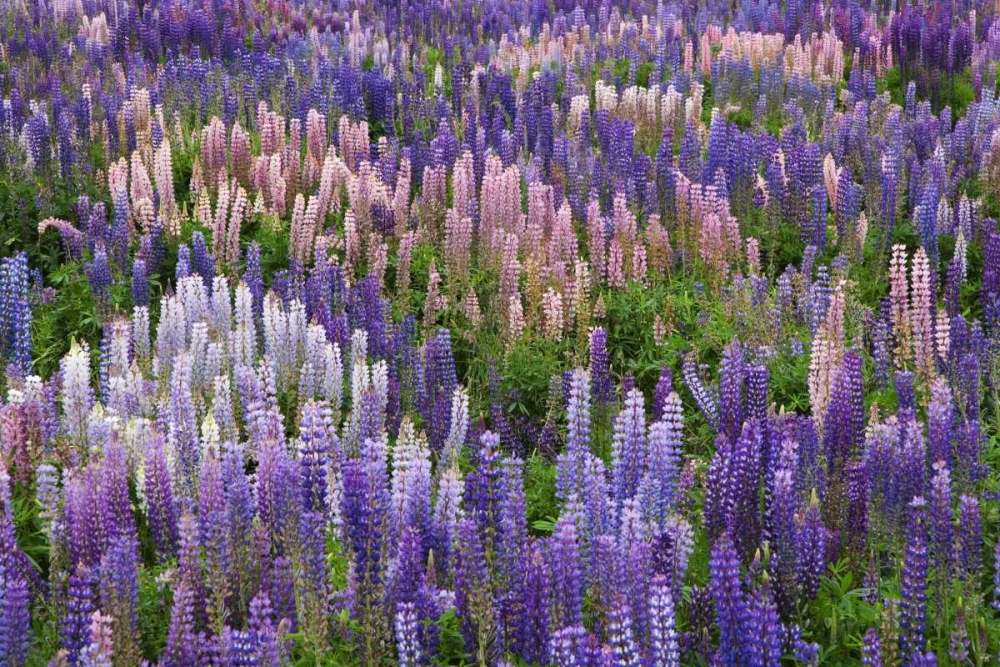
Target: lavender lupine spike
(663, 638)
(570, 468)
(621, 638)
(658, 486)
(705, 401)
(15, 313)
(628, 451)
(407, 636)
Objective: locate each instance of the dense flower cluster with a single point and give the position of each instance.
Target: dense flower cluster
(585, 334)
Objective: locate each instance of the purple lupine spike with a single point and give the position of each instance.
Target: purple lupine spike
(314, 454)
(568, 647)
(600, 367)
(757, 381)
(812, 537)
(512, 543)
(664, 387)
(731, 374)
(621, 639)
(970, 537)
(15, 313)
(664, 648)
(940, 422)
(782, 513)
(846, 422)
(658, 486)
(115, 486)
(364, 509)
(763, 634)
(407, 636)
(744, 489)
(905, 397)
(119, 592)
(805, 652)
(857, 505)
(15, 616)
(140, 283)
(530, 636)
(913, 605)
(184, 642)
(940, 519)
(959, 644)
(705, 401)
(472, 596)
(447, 511)
(629, 447)
(871, 649)
(570, 468)
(74, 629)
(567, 578)
(727, 592)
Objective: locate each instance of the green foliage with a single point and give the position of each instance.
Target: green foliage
(72, 315)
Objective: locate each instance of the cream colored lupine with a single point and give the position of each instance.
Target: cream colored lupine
(552, 307)
(921, 324)
(899, 303)
(218, 221)
(471, 308)
(827, 354)
(831, 174)
(515, 317)
(434, 301)
(753, 255)
(861, 233)
(942, 335)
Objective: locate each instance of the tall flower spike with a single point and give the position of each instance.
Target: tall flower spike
(628, 451)
(659, 482)
(727, 592)
(663, 640)
(913, 621)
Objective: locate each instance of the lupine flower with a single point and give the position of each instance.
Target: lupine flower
(727, 593)
(913, 620)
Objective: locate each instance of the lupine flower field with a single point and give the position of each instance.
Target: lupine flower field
(506, 333)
